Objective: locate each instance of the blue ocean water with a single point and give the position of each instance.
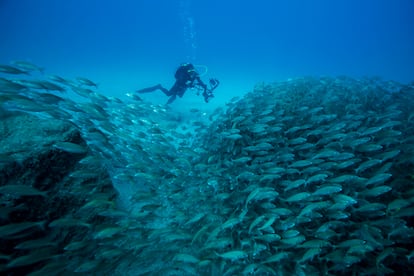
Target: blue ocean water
(126, 45)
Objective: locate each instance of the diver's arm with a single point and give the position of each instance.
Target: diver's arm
(200, 82)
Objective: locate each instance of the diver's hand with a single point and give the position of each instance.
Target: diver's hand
(207, 94)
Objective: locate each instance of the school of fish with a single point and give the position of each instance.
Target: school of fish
(311, 176)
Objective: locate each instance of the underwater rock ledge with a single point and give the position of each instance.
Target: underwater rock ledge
(39, 196)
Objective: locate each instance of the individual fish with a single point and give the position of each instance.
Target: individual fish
(371, 130)
(342, 156)
(310, 254)
(260, 194)
(327, 190)
(108, 232)
(298, 197)
(76, 245)
(283, 212)
(42, 84)
(357, 142)
(268, 224)
(316, 178)
(367, 165)
(318, 119)
(286, 157)
(16, 228)
(378, 179)
(185, 258)
(27, 66)
(233, 255)
(376, 191)
(242, 160)
(17, 190)
(12, 86)
(11, 70)
(33, 257)
(4, 257)
(50, 99)
(233, 136)
(260, 147)
(290, 233)
(370, 207)
(346, 164)
(316, 110)
(25, 104)
(267, 119)
(269, 177)
(310, 209)
(70, 147)
(315, 132)
(397, 205)
(84, 92)
(294, 241)
(179, 236)
(61, 80)
(301, 164)
(251, 269)
(85, 173)
(315, 244)
(327, 153)
(347, 178)
(87, 266)
(101, 204)
(361, 249)
(256, 222)
(230, 223)
(305, 146)
(347, 200)
(292, 130)
(258, 128)
(36, 244)
(383, 255)
(110, 254)
(269, 238)
(286, 224)
(221, 243)
(276, 170)
(297, 141)
(85, 81)
(295, 184)
(68, 222)
(351, 243)
(276, 258)
(196, 218)
(200, 233)
(389, 155)
(274, 129)
(369, 148)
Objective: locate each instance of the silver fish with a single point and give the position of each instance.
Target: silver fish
(21, 190)
(11, 70)
(70, 147)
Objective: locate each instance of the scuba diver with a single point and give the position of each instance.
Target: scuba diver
(185, 77)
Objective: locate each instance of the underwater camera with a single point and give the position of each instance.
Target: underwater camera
(213, 84)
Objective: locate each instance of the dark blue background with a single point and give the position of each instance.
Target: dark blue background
(125, 45)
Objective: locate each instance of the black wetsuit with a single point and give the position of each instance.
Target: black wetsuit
(185, 77)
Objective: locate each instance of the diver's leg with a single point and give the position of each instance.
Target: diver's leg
(151, 89)
(165, 90)
(180, 93)
(171, 99)
(173, 91)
